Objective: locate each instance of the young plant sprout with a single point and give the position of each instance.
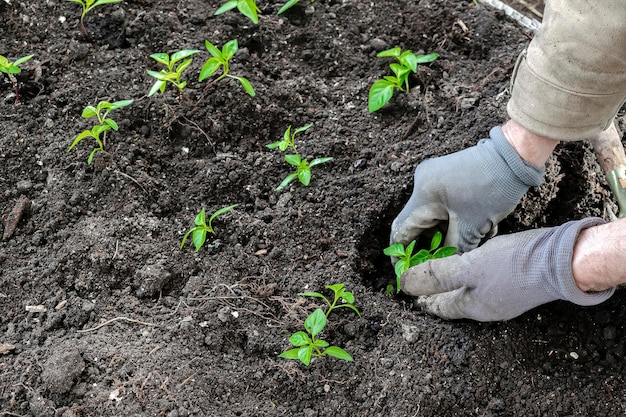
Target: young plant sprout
(172, 74)
(87, 5)
(307, 344)
(289, 5)
(303, 170)
(247, 8)
(219, 59)
(382, 90)
(406, 259)
(199, 232)
(101, 112)
(12, 68)
(289, 139)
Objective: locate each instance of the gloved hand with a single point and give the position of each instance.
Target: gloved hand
(503, 278)
(473, 190)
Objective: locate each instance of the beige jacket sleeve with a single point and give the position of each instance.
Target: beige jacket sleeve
(571, 81)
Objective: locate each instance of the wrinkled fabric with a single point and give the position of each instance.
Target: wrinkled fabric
(571, 81)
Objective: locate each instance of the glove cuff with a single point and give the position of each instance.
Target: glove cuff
(561, 271)
(510, 174)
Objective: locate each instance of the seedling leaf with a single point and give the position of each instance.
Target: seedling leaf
(315, 323)
(339, 353)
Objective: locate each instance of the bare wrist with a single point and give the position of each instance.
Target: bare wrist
(532, 148)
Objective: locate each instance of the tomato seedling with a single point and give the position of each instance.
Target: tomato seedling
(289, 139)
(219, 59)
(199, 231)
(406, 259)
(88, 5)
(101, 112)
(307, 345)
(247, 8)
(12, 68)
(289, 5)
(171, 75)
(382, 90)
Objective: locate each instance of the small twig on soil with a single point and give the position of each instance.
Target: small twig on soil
(130, 178)
(412, 126)
(106, 323)
(14, 217)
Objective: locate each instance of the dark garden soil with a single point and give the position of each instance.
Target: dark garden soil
(101, 314)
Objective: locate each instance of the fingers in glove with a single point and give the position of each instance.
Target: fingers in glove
(450, 305)
(433, 277)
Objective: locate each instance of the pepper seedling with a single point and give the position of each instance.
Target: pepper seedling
(101, 112)
(199, 232)
(219, 59)
(382, 90)
(303, 169)
(247, 8)
(171, 74)
(12, 68)
(289, 5)
(88, 5)
(307, 345)
(289, 139)
(406, 259)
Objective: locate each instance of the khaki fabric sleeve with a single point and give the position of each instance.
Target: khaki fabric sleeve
(571, 81)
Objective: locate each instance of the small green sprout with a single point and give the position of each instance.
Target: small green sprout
(289, 139)
(198, 233)
(303, 171)
(382, 90)
(346, 297)
(406, 259)
(289, 5)
(101, 112)
(12, 68)
(247, 8)
(87, 5)
(170, 74)
(307, 345)
(220, 59)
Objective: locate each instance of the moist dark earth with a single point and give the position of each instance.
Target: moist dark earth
(101, 313)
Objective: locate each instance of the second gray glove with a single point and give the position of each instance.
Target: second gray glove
(473, 190)
(503, 278)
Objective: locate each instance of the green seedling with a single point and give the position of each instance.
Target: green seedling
(307, 345)
(382, 90)
(101, 112)
(289, 5)
(289, 139)
(88, 5)
(303, 171)
(199, 232)
(12, 68)
(219, 59)
(340, 294)
(247, 8)
(406, 259)
(173, 72)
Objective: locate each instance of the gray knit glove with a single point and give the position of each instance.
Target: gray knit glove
(473, 190)
(505, 277)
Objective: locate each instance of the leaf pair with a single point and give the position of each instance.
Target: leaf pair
(171, 74)
(87, 5)
(11, 68)
(406, 259)
(289, 139)
(303, 171)
(219, 59)
(382, 90)
(306, 344)
(247, 8)
(199, 232)
(340, 294)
